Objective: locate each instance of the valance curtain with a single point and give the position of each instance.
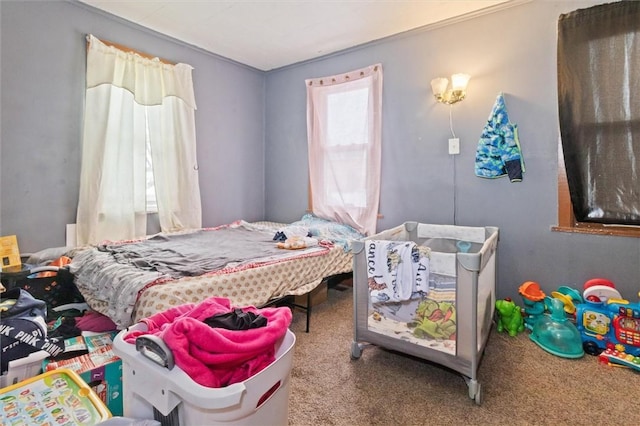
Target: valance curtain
(131, 101)
(344, 122)
(599, 107)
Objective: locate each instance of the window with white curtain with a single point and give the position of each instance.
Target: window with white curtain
(152, 202)
(139, 117)
(344, 140)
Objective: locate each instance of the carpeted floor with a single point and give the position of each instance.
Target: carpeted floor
(521, 383)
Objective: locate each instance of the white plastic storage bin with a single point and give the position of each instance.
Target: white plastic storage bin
(23, 368)
(460, 303)
(147, 387)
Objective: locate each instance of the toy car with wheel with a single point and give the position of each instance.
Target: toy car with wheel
(614, 324)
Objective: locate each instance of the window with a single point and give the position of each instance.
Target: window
(343, 126)
(346, 148)
(598, 77)
(151, 197)
(138, 145)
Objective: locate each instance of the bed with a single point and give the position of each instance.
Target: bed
(131, 280)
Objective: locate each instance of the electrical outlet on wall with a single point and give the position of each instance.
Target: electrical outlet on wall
(454, 146)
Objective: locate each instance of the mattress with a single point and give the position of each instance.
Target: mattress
(126, 294)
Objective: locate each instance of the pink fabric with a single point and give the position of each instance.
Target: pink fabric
(217, 357)
(328, 179)
(96, 322)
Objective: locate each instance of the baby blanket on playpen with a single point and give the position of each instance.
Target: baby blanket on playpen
(397, 270)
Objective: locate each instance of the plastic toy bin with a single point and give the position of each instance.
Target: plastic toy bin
(148, 387)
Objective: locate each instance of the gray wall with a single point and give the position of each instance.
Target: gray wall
(242, 110)
(43, 66)
(510, 50)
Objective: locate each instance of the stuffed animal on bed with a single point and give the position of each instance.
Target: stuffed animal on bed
(509, 317)
(296, 243)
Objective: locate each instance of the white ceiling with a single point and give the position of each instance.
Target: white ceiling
(271, 34)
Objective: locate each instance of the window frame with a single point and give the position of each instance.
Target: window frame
(566, 219)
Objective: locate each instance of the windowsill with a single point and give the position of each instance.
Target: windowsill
(600, 230)
(380, 216)
(566, 219)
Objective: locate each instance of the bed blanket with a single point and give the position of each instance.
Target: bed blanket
(114, 274)
(188, 255)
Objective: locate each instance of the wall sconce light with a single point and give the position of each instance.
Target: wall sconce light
(458, 88)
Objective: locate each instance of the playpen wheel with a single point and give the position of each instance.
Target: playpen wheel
(475, 390)
(356, 350)
(478, 396)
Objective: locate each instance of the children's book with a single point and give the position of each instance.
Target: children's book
(9, 254)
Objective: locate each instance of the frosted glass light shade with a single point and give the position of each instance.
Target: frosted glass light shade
(460, 81)
(458, 91)
(439, 86)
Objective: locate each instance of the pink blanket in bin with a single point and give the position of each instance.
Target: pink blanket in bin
(216, 357)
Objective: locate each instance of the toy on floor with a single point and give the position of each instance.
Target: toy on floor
(509, 317)
(569, 297)
(57, 397)
(555, 333)
(533, 299)
(575, 295)
(620, 359)
(614, 324)
(600, 290)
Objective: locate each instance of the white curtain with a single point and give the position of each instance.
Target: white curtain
(129, 100)
(344, 121)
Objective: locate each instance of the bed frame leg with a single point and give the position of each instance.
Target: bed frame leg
(292, 305)
(308, 310)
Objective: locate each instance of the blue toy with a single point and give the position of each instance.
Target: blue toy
(614, 324)
(463, 246)
(555, 333)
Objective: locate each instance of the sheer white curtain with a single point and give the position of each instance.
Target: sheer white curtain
(344, 139)
(129, 100)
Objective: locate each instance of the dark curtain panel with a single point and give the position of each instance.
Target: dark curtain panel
(599, 107)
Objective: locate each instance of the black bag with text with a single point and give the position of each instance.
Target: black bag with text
(55, 289)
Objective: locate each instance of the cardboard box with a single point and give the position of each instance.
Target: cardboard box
(318, 295)
(100, 368)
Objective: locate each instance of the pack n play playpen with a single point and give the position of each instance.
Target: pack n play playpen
(442, 309)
